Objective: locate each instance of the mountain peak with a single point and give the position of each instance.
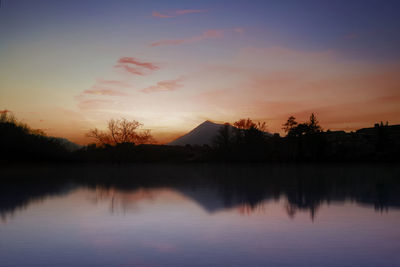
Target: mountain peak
(203, 134)
(207, 122)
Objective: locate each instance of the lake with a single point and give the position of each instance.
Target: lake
(200, 215)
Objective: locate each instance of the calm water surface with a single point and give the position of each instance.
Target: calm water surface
(200, 215)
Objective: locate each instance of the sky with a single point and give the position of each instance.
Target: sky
(69, 66)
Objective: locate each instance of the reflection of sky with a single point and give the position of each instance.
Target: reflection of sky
(164, 227)
(218, 60)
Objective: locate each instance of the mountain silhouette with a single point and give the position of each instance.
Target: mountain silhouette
(201, 135)
(67, 144)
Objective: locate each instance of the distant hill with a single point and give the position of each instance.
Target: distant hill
(68, 145)
(201, 135)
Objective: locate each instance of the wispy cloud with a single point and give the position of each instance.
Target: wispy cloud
(210, 34)
(175, 13)
(159, 15)
(131, 60)
(95, 103)
(135, 66)
(114, 83)
(129, 69)
(104, 91)
(163, 86)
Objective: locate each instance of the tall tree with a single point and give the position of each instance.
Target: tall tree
(314, 124)
(290, 124)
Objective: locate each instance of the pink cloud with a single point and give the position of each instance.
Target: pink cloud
(163, 86)
(210, 34)
(159, 15)
(4, 111)
(94, 103)
(175, 13)
(138, 66)
(104, 91)
(114, 83)
(129, 69)
(131, 60)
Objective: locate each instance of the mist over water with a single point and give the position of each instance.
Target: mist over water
(200, 215)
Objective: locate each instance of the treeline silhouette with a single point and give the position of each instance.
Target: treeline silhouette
(244, 141)
(248, 141)
(304, 187)
(19, 142)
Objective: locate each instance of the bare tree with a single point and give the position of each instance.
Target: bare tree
(247, 131)
(244, 124)
(121, 131)
(247, 124)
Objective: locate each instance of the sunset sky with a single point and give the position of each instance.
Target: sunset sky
(68, 66)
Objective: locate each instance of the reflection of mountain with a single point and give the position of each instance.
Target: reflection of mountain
(214, 187)
(209, 199)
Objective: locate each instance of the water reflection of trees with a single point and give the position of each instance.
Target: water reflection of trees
(20, 188)
(214, 187)
(122, 200)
